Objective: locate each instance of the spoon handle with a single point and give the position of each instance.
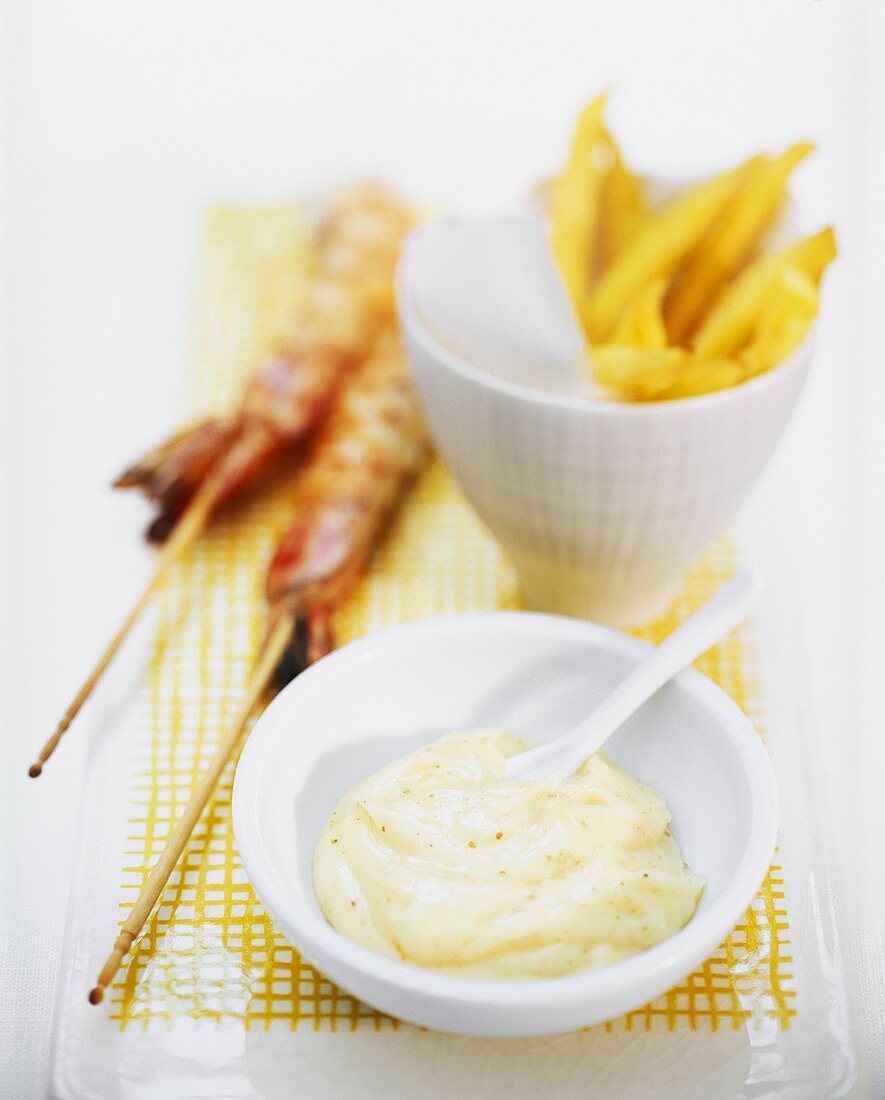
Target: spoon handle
(694, 637)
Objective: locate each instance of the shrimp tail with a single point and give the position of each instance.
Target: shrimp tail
(286, 399)
(171, 473)
(181, 460)
(312, 637)
(242, 456)
(294, 658)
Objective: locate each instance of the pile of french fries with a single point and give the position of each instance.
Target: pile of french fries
(680, 300)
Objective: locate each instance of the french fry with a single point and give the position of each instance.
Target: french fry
(672, 303)
(625, 207)
(665, 373)
(723, 252)
(576, 203)
(731, 321)
(700, 376)
(791, 305)
(662, 374)
(642, 374)
(659, 249)
(641, 324)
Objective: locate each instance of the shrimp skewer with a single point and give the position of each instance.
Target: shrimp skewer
(368, 452)
(364, 456)
(199, 469)
(351, 301)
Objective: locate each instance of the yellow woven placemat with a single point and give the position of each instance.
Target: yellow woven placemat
(210, 951)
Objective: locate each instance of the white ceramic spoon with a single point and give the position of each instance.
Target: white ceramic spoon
(695, 636)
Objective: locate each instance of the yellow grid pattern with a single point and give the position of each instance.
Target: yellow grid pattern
(210, 950)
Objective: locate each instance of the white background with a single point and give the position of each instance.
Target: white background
(125, 118)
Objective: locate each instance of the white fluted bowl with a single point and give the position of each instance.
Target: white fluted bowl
(601, 505)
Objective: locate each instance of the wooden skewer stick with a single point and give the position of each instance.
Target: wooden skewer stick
(183, 534)
(178, 838)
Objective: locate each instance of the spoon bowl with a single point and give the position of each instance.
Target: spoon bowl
(388, 694)
(708, 625)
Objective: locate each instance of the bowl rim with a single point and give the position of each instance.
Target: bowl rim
(414, 325)
(667, 962)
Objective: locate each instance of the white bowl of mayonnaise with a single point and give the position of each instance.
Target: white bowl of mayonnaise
(432, 929)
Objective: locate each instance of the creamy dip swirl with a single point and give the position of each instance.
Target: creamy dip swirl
(439, 861)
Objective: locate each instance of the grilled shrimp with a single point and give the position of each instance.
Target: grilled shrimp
(350, 303)
(362, 461)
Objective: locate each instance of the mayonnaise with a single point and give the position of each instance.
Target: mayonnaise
(440, 861)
